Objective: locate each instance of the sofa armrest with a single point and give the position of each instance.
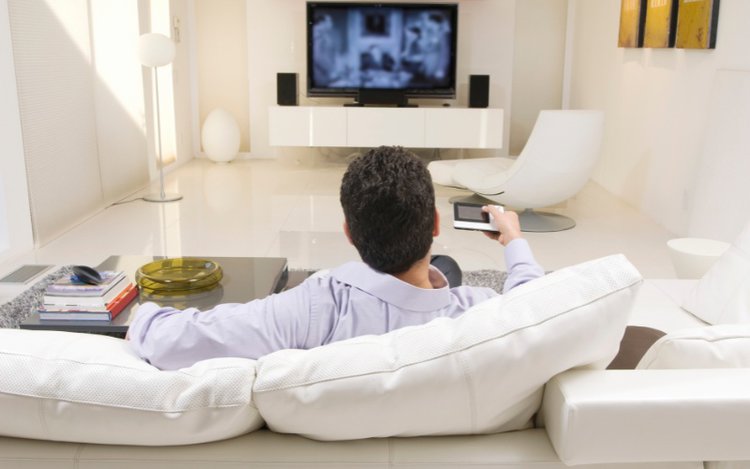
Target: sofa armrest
(628, 416)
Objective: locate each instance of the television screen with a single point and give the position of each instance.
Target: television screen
(409, 47)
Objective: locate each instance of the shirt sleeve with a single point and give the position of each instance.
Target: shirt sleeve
(520, 263)
(170, 338)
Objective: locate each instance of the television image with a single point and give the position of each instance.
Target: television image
(385, 46)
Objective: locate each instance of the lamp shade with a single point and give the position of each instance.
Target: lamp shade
(155, 50)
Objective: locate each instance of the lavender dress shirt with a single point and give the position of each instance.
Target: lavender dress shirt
(348, 301)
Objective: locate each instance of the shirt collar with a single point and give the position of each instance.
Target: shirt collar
(394, 291)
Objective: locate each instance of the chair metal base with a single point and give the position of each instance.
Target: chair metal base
(544, 222)
(167, 197)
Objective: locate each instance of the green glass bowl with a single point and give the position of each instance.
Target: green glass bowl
(178, 276)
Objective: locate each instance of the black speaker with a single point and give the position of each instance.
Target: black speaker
(286, 89)
(381, 96)
(479, 90)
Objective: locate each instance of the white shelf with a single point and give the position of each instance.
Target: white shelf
(425, 127)
(372, 127)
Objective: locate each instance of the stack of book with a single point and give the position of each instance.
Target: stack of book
(69, 299)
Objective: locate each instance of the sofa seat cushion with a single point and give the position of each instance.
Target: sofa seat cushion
(528, 449)
(87, 388)
(480, 373)
(722, 346)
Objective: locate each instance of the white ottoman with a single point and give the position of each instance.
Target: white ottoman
(692, 257)
(441, 172)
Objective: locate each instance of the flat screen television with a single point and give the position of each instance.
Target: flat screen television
(397, 47)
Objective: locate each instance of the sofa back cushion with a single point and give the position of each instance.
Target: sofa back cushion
(722, 346)
(722, 296)
(480, 373)
(93, 389)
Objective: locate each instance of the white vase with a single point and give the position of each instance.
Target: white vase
(220, 136)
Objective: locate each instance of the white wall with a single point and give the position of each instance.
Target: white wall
(15, 223)
(118, 98)
(56, 102)
(183, 69)
(657, 104)
(539, 53)
(81, 101)
(83, 144)
(221, 56)
(172, 18)
(276, 42)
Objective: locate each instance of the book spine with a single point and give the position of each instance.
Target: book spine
(114, 308)
(126, 297)
(74, 316)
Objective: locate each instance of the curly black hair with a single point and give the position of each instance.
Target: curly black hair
(389, 205)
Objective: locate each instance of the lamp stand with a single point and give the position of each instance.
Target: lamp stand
(161, 196)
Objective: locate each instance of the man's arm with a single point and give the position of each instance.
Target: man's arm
(520, 263)
(169, 338)
(519, 259)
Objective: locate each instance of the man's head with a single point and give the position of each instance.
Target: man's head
(389, 206)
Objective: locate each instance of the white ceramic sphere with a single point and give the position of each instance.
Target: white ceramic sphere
(155, 50)
(220, 136)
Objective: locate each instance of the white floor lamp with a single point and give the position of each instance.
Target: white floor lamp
(156, 50)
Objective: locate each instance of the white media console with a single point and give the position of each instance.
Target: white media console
(420, 127)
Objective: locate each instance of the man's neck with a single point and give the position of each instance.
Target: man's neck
(418, 275)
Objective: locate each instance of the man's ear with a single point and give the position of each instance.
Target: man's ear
(436, 228)
(348, 233)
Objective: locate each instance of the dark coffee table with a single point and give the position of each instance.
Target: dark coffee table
(245, 279)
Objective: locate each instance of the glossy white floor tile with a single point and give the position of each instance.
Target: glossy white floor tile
(284, 208)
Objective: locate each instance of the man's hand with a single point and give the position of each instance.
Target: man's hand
(506, 222)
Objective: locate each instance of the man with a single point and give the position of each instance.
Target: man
(390, 218)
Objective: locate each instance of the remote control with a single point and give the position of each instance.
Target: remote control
(469, 216)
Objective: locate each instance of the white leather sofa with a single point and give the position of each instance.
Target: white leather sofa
(652, 418)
